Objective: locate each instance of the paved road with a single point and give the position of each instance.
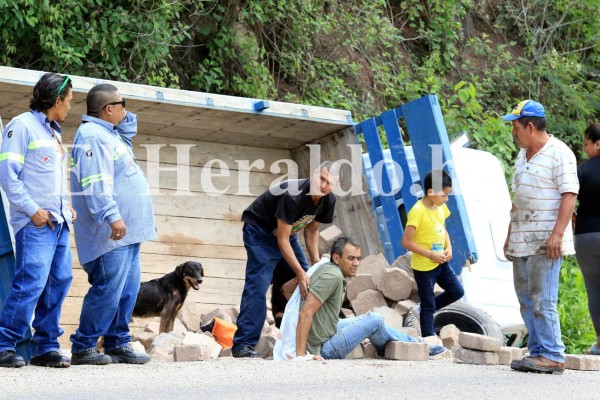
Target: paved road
(260, 379)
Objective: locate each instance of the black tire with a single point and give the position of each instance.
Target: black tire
(467, 319)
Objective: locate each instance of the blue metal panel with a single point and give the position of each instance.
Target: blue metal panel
(388, 200)
(394, 137)
(426, 129)
(7, 273)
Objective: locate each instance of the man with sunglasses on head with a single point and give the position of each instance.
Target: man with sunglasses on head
(32, 173)
(111, 196)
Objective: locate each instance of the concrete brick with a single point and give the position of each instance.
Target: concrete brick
(582, 362)
(166, 341)
(395, 284)
(449, 335)
(403, 262)
(409, 331)
(145, 338)
(390, 316)
(414, 296)
(218, 312)
(476, 357)
(359, 284)
(369, 350)
(507, 354)
(233, 313)
(356, 353)
(187, 353)
(226, 353)
(209, 348)
(327, 237)
(178, 327)
(475, 341)
(191, 353)
(404, 306)
(367, 300)
(348, 313)
(373, 265)
(190, 316)
(160, 354)
(407, 351)
(266, 342)
(433, 340)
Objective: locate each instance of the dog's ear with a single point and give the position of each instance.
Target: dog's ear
(179, 270)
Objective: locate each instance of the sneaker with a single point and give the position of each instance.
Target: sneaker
(413, 319)
(126, 355)
(245, 352)
(10, 359)
(436, 352)
(51, 359)
(90, 357)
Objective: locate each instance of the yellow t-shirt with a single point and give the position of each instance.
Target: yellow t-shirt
(430, 232)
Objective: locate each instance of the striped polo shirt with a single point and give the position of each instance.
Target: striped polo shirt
(537, 186)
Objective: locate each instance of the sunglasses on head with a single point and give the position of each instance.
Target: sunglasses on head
(64, 84)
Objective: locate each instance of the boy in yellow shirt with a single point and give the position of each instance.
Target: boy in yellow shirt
(426, 236)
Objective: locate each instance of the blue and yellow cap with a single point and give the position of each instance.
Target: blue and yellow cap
(526, 108)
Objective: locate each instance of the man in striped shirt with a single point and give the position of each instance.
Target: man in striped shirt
(545, 187)
(32, 173)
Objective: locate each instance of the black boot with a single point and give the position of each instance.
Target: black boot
(10, 359)
(51, 359)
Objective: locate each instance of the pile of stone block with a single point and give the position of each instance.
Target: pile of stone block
(187, 342)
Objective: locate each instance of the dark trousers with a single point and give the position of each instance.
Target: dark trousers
(264, 257)
(588, 257)
(426, 280)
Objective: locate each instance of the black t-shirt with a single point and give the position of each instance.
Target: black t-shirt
(297, 210)
(588, 212)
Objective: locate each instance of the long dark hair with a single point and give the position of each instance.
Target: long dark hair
(47, 89)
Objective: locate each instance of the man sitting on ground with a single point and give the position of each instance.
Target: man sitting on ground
(320, 333)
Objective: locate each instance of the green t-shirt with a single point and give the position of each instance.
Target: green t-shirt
(329, 286)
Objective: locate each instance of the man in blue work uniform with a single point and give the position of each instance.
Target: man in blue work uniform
(32, 173)
(111, 196)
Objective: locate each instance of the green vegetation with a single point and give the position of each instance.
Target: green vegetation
(479, 56)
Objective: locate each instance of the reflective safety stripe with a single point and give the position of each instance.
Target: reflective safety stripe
(36, 144)
(119, 151)
(13, 157)
(73, 163)
(95, 178)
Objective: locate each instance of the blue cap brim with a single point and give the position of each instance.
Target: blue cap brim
(511, 117)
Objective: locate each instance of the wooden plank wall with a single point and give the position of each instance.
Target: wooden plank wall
(199, 225)
(354, 215)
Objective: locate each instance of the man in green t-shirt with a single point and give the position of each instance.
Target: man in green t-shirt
(320, 333)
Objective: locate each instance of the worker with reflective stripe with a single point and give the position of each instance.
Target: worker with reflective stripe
(112, 199)
(33, 166)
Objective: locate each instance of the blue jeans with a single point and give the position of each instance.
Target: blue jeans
(352, 331)
(263, 257)
(108, 305)
(430, 303)
(536, 284)
(42, 279)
